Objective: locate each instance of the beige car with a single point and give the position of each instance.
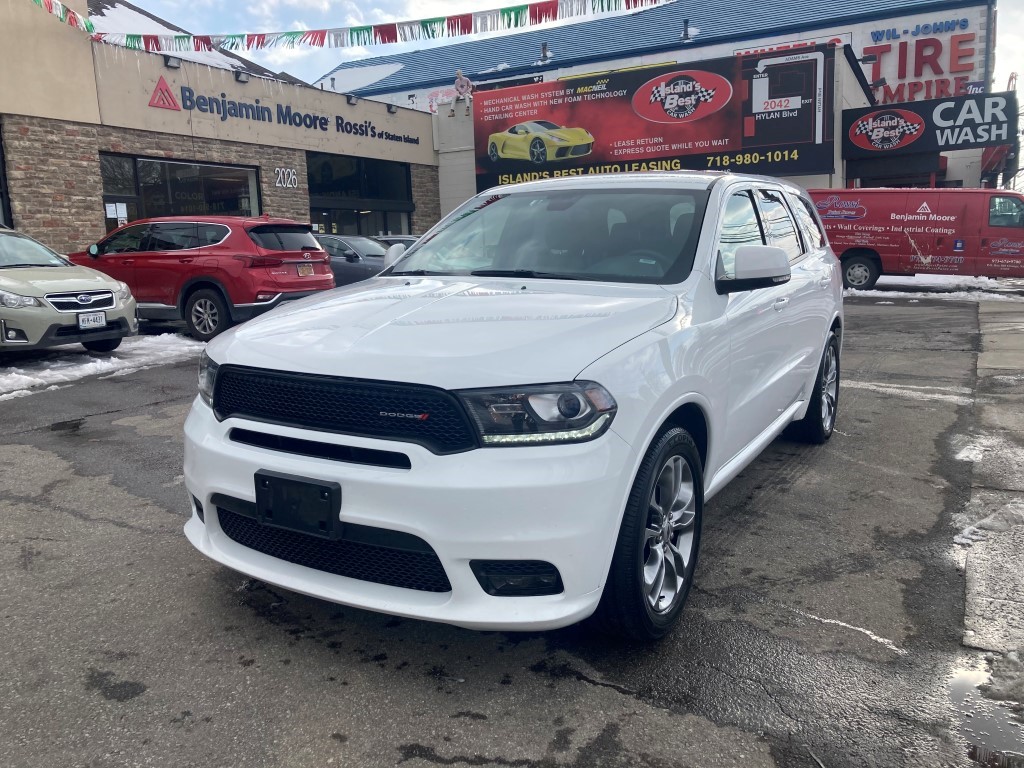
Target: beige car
(46, 300)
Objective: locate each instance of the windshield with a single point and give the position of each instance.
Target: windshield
(616, 235)
(19, 251)
(367, 246)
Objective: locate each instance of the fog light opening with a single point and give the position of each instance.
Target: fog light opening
(265, 296)
(197, 505)
(517, 578)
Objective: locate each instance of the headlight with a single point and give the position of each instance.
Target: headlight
(123, 291)
(207, 378)
(14, 301)
(558, 139)
(540, 415)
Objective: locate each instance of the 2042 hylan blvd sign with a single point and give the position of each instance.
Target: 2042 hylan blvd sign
(965, 122)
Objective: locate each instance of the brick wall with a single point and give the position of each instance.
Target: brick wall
(426, 198)
(54, 180)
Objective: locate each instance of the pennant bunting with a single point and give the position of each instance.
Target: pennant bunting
(459, 25)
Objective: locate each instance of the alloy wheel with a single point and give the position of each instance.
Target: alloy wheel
(829, 387)
(538, 152)
(205, 317)
(669, 535)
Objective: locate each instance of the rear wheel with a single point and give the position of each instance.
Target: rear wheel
(656, 552)
(860, 272)
(206, 314)
(102, 345)
(817, 425)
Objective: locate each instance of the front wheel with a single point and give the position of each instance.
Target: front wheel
(820, 421)
(102, 345)
(538, 152)
(656, 552)
(206, 314)
(860, 272)
(492, 153)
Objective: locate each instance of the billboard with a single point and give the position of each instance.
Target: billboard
(965, 122)
(768, 113)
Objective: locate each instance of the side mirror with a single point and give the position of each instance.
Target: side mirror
(350, 255)
(94, 251)
(394, 254)
(756, 266)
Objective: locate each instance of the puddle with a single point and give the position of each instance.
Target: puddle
(994, 737)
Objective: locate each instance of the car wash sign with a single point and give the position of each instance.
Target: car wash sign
(938, 125)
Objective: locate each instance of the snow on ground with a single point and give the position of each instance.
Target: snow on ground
(948, 287)
(62, 365)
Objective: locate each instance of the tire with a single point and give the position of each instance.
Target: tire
(538, 152)
(206, 314)
(819, 422)
(103, 345)
(627, 607)
(492, 153)
(860, 272)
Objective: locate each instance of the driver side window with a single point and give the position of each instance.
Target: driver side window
(740, 226)
(126, 241)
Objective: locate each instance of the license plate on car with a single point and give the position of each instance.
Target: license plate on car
(298, 504)
(305, 270)
(92, 320)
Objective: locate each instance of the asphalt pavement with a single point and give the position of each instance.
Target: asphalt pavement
(849, 599)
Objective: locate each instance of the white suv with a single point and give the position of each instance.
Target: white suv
(518, 423)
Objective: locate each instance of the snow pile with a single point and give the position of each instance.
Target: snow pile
(948, 287)
(69, 364)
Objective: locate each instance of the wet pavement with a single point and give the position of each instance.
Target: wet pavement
(826, 628)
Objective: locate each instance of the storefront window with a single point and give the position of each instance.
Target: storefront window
(358, 196)
(142, 188)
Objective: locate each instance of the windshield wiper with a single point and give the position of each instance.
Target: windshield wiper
(523, 273)
(27, 266)
(418, 273)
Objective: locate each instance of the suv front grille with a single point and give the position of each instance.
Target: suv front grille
(415, 566)
(427, 416)
(81, 301)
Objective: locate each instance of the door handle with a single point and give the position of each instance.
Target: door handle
(127, 262)
(780, 304)
(184, 261)
(941, 241)
(984, 242)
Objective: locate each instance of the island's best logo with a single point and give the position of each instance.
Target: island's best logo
(887, 129)
(679, 97)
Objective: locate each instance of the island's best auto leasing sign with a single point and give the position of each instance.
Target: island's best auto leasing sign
(966, 122)
(765, 113)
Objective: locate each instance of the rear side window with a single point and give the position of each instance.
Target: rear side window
(740, 226)
(807, 221)
(779, 224)
(284, 237)
(211, 234)
(173, 237)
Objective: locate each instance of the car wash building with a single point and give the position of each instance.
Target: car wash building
(93, 136)
(883, 53)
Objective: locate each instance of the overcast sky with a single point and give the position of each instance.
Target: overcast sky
(216, 16)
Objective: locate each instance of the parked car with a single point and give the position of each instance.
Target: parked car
(353, 257)
(923, 231)
(211, 271)
(539, 141)
(521, 445)
(389, 240)
(45, 300)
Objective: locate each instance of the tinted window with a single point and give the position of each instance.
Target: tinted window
(366, 247)
(118, 174)
(779, 224)
(18, 251)
(1005, 212)
(173, 237)
(740, 226)
(615, 235)
(284, 237)
(807, 221)
(126, 241)
(211, 234)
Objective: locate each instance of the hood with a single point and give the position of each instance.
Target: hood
(449, 333)
(569, 134)
(39, 281)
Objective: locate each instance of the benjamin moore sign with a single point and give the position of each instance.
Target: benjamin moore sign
(920, 127)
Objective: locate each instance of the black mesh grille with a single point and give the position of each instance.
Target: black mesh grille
(420, 570)
(430, 417)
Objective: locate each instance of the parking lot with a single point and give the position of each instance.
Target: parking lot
(826, 628)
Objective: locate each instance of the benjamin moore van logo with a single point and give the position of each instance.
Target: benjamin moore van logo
(163, 97)
(680, 97)
(924, 208)
(887, 129)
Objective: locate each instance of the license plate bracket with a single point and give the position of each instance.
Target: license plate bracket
(305, 270)
(88, 320)
(300, 504)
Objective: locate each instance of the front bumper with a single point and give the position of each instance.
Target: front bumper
(39, 327)
(559, 504)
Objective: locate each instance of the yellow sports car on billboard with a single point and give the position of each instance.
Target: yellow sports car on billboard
(539, 141)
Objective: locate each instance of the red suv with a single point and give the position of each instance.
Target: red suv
(211, 271)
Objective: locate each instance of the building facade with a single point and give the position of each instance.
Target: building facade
(98, 136)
